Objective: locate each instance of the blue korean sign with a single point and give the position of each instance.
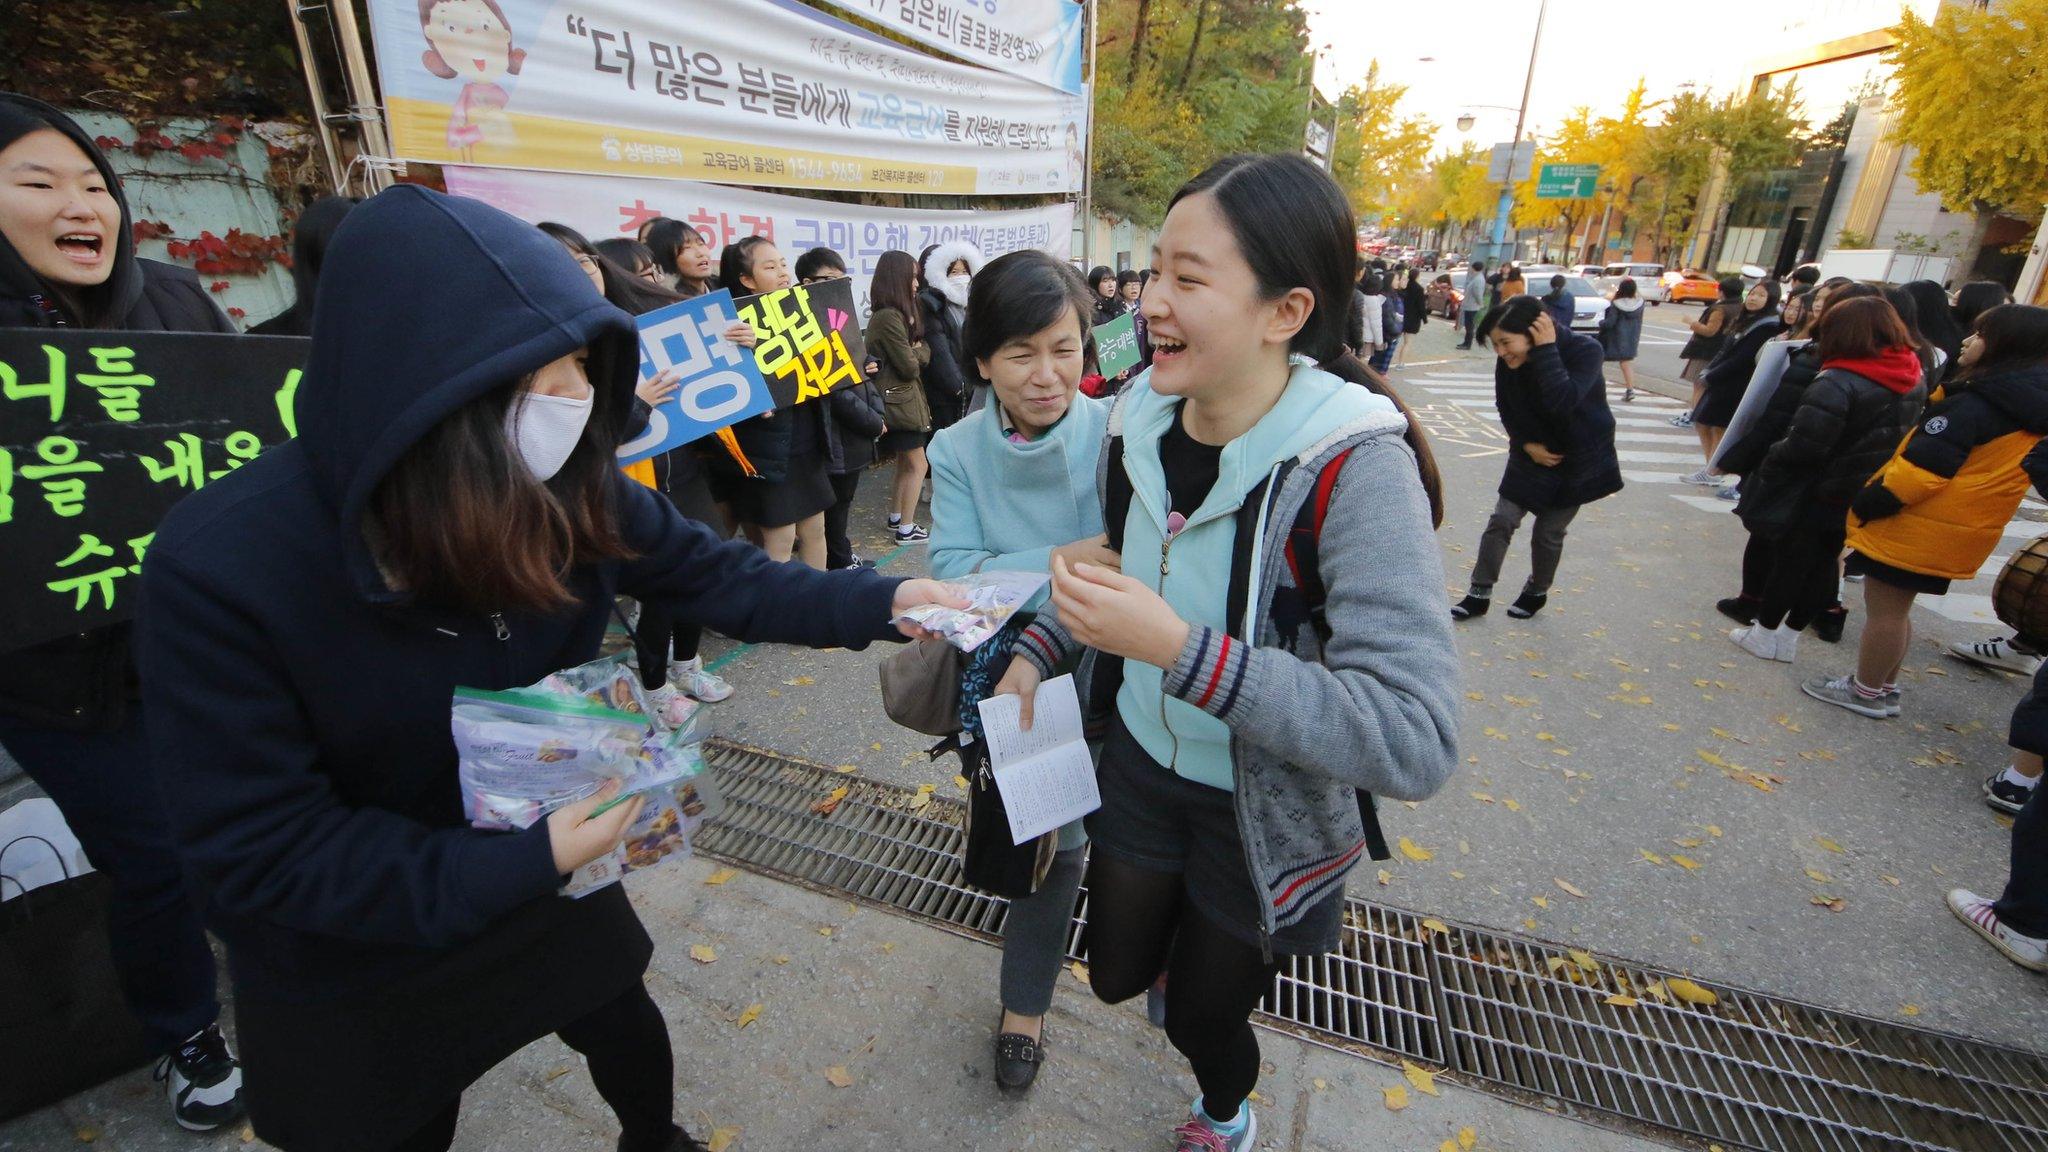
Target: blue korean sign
(721, 385)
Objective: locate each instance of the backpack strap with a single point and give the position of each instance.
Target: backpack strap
(1303, 558)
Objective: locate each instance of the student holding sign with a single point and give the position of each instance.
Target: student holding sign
(1013, 485)
(452, 514)
(782, 503)
(68, 711)
(1257, 698)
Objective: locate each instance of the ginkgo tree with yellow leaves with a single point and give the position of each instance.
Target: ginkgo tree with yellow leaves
(1969, 90)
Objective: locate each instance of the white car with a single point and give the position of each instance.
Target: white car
(1649, 278)
(1589, 271)
(1589, 306)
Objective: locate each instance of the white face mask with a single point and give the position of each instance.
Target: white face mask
(960, 281)
(545, 430)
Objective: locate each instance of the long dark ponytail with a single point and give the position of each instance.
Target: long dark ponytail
(1313, 246)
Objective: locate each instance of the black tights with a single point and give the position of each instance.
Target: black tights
(625, 1043)
(654, 639)
(1139, 925)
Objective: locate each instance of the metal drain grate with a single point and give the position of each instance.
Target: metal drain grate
(1750, 1071)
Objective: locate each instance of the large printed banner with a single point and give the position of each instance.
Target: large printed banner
(761, 92)
(100, 433)
(1036, 39)
(599, 207)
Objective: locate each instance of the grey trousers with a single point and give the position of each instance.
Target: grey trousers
(1546, 546)
(1035, 937)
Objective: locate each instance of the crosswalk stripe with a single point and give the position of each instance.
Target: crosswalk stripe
(1706, 503)
(1664, 437)
(1637, 456)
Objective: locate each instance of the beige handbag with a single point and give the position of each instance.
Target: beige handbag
(921, 686)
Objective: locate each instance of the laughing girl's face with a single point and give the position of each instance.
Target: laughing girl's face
(471, 39)
(57, 210)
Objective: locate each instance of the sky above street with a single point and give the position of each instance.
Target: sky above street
(1458, 55)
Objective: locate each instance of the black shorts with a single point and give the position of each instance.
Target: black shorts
(1860, 565)
(1158, 821)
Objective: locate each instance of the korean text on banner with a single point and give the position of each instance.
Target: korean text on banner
(1036, 39)
(860, 234)
(100, 433)
(759, 92)
(810, 340)
(1116, 345)
(720, 385)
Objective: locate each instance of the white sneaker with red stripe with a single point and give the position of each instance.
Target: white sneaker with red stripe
(1976, 911)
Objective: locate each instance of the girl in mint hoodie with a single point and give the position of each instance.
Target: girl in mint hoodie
(1252, 714)
(1013, 485)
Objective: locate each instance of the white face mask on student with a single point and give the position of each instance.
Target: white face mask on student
(960, 281)
(544, 430)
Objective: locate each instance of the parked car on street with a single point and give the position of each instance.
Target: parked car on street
(1691, 288)
(1649, 278)
(1589, 271)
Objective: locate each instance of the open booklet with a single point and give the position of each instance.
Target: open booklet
(1046, 775)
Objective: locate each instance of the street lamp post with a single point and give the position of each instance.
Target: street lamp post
(1507, 188)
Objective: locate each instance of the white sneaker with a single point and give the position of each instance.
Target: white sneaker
(691, 677)
(1757, 640)
(671, 707)
(1998, 654)
(1787, 640)
(1976, 911)
(1704, 478)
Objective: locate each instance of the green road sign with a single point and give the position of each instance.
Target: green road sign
(1567, 181)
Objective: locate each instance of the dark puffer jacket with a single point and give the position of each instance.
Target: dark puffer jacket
(1746, 455)
(1558, 398)
(1847, 425)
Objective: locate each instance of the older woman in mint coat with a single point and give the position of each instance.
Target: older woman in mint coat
(1013, 484)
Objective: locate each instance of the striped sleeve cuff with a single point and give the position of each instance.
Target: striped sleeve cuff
(1046, 646)
(1210, 671)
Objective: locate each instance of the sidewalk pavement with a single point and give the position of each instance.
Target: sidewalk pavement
(902, 1013)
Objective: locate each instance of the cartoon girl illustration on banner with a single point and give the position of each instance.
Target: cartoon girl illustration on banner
(471, 40)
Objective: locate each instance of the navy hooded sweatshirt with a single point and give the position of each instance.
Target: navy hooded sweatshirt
(299, 707)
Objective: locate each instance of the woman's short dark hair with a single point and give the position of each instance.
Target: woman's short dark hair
(1372, 284)
(1127, 276)
(895, 286)
(2013, 335)
(1931, 317)
(1514, 316)
(461, 523)
(1020, 294)
(1976, 298)
(1098, 274)
(1314, 246)
(1860, 328)
(626, 252)
(1732, 290)
(818, 260)
(665, 238)
(1626, 290)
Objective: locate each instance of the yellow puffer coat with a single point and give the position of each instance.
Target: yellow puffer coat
(1940, 505)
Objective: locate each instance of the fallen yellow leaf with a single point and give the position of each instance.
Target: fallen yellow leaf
(800, 682)
(1652, 857)
(1686, 862)
(1435, 925)
(1422, 1078)
(830, 803)
(923, 797)
(1320, 1083)
(1079, 970)
(1655, 988)
(960, 782)
(1828, 844)
(1483, 797)
(1386, 877)
(1620, 1000)
(1674, 728)
(838, 1077)
(1414, 851)
(1570, 888)
(779, 960)
(1396, 1097)
(1540, 901)
(1583, 959)
(1714, 830)
(1467, 1138)
(825, 931)
(1818, 877)
(1910, 1009)
(720, 876)
(722, 1138)
(1690, 992)
(1530, 924)
(1511, 805)
(703, 953)
(752, 1014)
(1447, 1146)
(1831, 903)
